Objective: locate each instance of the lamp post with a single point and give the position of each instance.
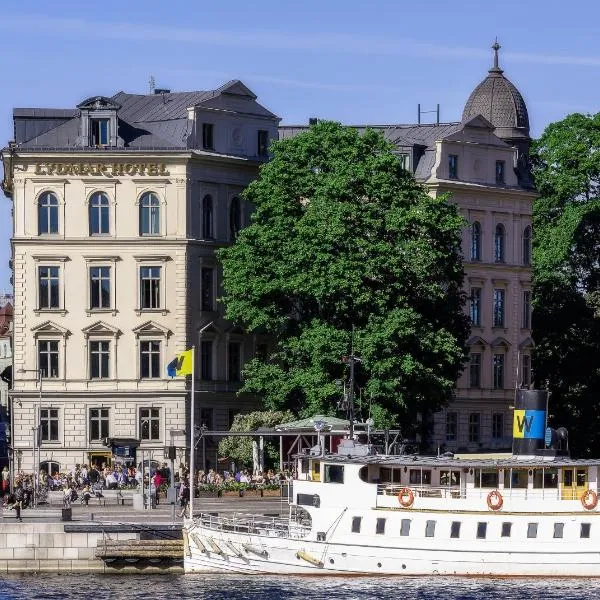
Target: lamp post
(37, 438)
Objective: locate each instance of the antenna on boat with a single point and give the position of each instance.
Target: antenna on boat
(352, 360)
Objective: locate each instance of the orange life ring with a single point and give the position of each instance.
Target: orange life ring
(406, 497)
(495, 500)
(589, 499)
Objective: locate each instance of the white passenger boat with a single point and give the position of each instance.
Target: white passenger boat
(530, 513)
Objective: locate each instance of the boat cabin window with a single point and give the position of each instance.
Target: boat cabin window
(485, 478)
(380, 526)
(308, 500)
(506, 528)
(532, 530)
(515, 478)
(405, 527)
(558, 530)
(356, 521)
(481, 530)
(546, 478)
(455, 529)
(449, 477)
(420, 476)
(581, 477)
(585, 530)
(304, 465)
(363, 474)
(334, 473)
(429, 528)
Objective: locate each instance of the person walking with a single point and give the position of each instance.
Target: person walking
(184, 497)
(13, 504)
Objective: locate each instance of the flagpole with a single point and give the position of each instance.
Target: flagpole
(192, 436)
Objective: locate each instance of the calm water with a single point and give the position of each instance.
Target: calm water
(175, 587)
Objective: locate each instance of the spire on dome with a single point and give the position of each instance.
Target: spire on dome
(495, 47)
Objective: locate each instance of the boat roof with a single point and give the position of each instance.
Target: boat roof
(457, 462)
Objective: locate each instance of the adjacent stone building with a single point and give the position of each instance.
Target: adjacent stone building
(119, 205)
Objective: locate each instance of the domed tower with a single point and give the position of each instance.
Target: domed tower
(501, 103)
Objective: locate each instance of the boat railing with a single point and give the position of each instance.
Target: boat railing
(423, 491)
(254, 524)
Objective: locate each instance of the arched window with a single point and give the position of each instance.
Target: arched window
(475, 241)
(208, 232)
(99, 207)
(235, 218)
(48, 213)
(50, 467)
(150, 214)
(499, 243)
(527, 245)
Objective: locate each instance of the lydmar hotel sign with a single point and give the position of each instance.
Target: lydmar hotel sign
(107, 169)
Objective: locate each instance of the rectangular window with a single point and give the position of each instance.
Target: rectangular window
(451, 426)
(506, 529)
(404, 160)
(532, 530)
(334, 473)
(429, 528)
(584, 532)
(455, 529)
(263, 142)
(49, 424)
(475, 370)
(516, 479)
(453, 166)
(150, 287)
(98, 423)
(474, 428)
(207, 280)
(558, 530)
(230, 417)
(485, 478)
(499, 296)
(207, 416)
(150, 424)
(525, 370)
(481, 531)
(208, 136)
(99, 359)
(356, 522)
(206, 360)
(48, 358)
(498, 371)
(450, 478)
(526, 322)
(234, 360)
(99, 287)
(150, 360)
(497, 426)
(500, 171)
(48, 280)
(380, 526)
(546, 478)
(99, 132)
(405, 527)
(420, 476)
(475, 305)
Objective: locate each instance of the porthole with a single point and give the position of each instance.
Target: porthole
(404, 566)
(379, 565)
(331, 561)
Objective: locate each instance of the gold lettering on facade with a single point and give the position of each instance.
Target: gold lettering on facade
(99, 169)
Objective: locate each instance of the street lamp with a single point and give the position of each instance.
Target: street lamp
(37, 438)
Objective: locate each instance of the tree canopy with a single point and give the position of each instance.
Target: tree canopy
(343, 239)
(566, 319)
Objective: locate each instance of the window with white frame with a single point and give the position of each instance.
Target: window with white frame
(100, 287)
(99, 132)
(49, 424)
(475, 306)
(48, 287)
(99, 423)
(150, 424)
(150, 359)
(47, 214)
(150, 214)
(99, 212)
(48, 358)
(99, 359)
(150, 287)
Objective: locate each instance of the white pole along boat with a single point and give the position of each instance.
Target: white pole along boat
(530, 513)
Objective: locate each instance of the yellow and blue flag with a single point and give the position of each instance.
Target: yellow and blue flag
(182, 364)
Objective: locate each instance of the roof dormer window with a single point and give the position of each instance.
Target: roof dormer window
(99, 132)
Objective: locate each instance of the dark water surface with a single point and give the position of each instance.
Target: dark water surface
(233, 587)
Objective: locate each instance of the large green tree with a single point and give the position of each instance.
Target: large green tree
(566, 323)
(342, 240)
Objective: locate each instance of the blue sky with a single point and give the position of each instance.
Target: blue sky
(357, 62)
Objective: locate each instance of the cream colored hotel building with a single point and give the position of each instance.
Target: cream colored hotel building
(119, 205)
